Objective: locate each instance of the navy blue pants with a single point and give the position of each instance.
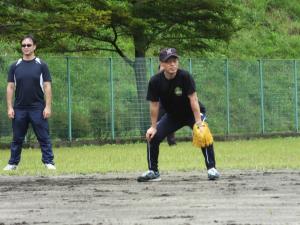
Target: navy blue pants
(167, 125)
(41, 129)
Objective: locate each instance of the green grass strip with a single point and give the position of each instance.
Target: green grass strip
(259, 154)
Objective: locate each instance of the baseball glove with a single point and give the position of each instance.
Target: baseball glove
(202, 138)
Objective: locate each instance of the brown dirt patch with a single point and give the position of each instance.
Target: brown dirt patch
(185, 198)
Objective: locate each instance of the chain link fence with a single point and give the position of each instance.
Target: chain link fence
(103, 99)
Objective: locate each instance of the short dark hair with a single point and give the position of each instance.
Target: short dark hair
(30, 36)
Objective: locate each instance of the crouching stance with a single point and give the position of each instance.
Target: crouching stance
(175, 90)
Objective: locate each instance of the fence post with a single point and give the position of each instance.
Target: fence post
(296, 96)
(69, 100)
(112, 106)
(190, 66)
(262, 96)
(151, 67)
(227, 96)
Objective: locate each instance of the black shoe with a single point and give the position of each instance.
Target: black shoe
(171, 139)
(171, 143)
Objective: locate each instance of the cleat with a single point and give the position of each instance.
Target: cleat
(50, 166)
(150, 175)
(213, 174)
(10, 167)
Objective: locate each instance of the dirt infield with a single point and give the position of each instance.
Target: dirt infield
(239, 197)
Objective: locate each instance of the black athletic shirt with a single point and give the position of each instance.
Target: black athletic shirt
(29, 77)
(173, 94)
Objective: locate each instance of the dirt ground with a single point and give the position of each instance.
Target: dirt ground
(185, 198)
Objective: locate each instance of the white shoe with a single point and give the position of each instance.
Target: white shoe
(149, 175)
(50, 166)
(10, 167)
(213, 174)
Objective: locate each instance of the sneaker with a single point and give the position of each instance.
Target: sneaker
(171, 139)
(10, 167)
(213, 174)
(171, 143)
(150, 175)
(50, 166)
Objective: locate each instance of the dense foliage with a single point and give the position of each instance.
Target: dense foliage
(268, 29)
(264, 28)
(93, 25)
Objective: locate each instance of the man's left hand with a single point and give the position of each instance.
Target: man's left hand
(202, 136)
(47, 112)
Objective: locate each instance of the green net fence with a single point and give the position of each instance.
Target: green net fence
(103, 99)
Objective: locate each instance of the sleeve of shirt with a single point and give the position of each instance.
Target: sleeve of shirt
(11, 73)
(46, 72)
(152, 93)
(190, 84)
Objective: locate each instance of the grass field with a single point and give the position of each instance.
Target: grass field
(259, 154)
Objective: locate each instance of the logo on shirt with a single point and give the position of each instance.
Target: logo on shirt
(178, 91)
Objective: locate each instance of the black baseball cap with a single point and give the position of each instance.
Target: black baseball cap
(167, 53)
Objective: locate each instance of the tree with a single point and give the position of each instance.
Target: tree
(93, 25)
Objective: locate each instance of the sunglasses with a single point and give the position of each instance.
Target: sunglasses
(26, 45)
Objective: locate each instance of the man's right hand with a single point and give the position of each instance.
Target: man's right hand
(150, 133)
(10, 113)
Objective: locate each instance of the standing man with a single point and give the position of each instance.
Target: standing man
(175, 90)
(29, 79)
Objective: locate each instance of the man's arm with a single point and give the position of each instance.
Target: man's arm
(9, 99)
(154, 110)
(48, 99)
(195, 107)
